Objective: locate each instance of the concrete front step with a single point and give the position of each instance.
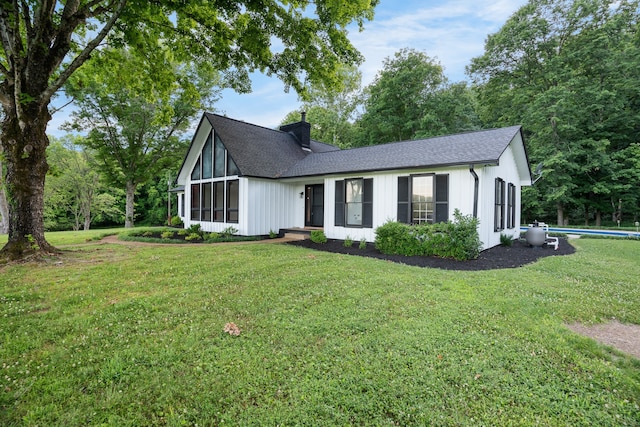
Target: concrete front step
(298, 233)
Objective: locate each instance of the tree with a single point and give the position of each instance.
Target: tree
(74, 194)
(4, 207)
(331, 109)
(395, 101)
(565, 70)
(411, 98)
(136, 119)
(45, 42)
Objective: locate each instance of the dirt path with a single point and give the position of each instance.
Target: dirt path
(625, 338)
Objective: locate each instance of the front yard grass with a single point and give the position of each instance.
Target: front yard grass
(117, 335)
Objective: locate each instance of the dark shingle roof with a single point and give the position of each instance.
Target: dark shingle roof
(260, 151)
(484, 146)
(269, 153)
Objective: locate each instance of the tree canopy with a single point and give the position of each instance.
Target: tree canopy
(568, 72)
(331, 110)
(45, 42)
(411, 98)
(136, 107)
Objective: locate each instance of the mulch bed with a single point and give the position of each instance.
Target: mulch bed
(516, 255)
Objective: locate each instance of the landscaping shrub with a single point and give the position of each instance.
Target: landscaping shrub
(195, 229)
(363, 243)
(167, 235)
(228, 232)
(395, 238)
(505, 240)
(176, 221)
(213, 236)
(318, 236)
(193, 237)
(456, 239)
(348, 242)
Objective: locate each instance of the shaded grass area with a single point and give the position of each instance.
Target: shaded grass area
(62, 238)
(122, 335)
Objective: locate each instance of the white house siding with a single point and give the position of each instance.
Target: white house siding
(270, 205)
(508, 172)
(385, 199)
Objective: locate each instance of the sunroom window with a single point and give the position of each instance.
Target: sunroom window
(214, 184)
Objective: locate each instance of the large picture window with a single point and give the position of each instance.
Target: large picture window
(499, 205)
(354, 203)
(423, 198)
(215, 187)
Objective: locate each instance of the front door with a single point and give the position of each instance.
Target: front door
(314, 206)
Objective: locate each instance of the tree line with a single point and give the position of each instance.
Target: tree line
(566, 70)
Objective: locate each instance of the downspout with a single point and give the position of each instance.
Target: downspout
(476, 185)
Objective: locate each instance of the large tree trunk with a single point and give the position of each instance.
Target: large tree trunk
(24, 145)
(129, 206)
(560, 212)
(4, 207)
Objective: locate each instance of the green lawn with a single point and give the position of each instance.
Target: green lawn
(117, 335)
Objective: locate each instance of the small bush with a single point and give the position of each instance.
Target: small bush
(211, 237)
(167, 235)
(183, 232)
(228, 232)
(195, 229)
(147, 234)
(363, 243)
(176, 221)
(458, 239)
(395, 238)
(272, 234)
(348, 242)
(505, 240)
(192, 237)
(318, 236)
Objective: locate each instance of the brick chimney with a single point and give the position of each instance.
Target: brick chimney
(301, 131)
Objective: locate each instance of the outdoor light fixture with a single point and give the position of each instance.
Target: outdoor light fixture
(302, 194)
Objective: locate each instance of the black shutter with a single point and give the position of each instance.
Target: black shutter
(339, 204)
(442, 198)
(367, 205)
(403, 199)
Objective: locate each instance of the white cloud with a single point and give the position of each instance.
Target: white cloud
(453, 32)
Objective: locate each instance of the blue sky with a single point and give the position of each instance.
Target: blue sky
(451, 31)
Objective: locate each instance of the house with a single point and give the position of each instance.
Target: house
(259, 180)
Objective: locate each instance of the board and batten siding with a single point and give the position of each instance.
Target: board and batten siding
(385, 199)
(270, 205)
(507, 171)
